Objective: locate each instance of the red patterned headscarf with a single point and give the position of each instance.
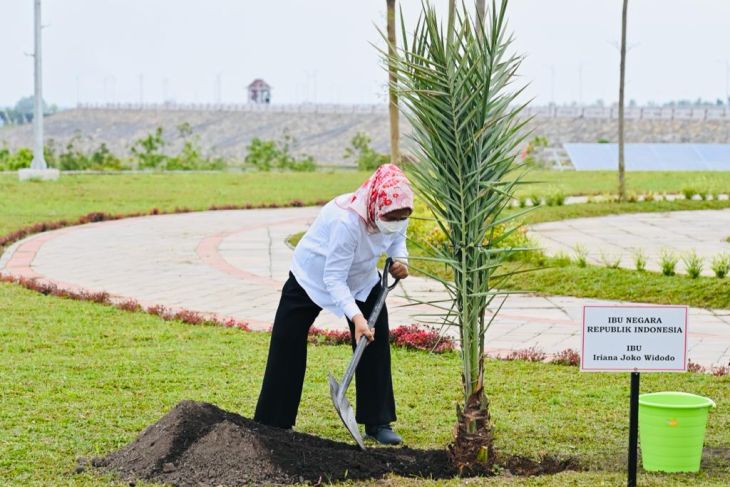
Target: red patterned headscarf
(386, 190)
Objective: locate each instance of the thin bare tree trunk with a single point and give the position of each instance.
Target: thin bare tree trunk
(622, 82)
(392, 96)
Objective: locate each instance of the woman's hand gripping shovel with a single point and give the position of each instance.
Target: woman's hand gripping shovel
(337, 391)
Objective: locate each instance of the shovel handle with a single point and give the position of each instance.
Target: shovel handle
(363, 342)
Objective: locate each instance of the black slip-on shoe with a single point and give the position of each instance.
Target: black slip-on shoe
(383, 434)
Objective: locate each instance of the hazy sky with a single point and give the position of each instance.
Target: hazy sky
(319, 50)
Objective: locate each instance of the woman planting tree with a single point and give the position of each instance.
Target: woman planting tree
(334, 268)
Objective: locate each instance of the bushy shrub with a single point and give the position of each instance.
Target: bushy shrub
(668, 262)
(689, 193)
(191, 156)
(4, 157)
(610, 261)
(693, 264)
(423, 230)
(262, 154)
(269, 154)
(367, 158)
(148, 151)
(556, 198)
(721, 265)
(561, 259)
(12, 161)
(103, 159)
(640, 260)
(581, 255)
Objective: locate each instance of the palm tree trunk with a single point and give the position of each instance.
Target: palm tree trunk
(622, 82)
(392, 79)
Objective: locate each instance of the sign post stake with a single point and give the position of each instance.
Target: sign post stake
(633, 428)
(634, 338)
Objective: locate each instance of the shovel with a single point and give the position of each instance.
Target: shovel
(337, 391)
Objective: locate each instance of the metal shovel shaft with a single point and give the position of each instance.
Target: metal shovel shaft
(337, 391)
(361, 344)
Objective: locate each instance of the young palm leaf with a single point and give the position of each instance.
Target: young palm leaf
(456, 87)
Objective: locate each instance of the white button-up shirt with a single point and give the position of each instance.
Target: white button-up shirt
(335, 261)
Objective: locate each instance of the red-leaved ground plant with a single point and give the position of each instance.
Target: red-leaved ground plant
(129, 305)
(319, 336)
(693, 367)
(407, 336)
(566, 357)
(418, 338)
(532, 354)
(720, 371)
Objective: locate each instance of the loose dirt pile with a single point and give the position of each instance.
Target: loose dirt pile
(200, 444)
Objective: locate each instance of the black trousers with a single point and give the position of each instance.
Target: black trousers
(281, 390)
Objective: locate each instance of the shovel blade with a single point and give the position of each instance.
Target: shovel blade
(345, 412)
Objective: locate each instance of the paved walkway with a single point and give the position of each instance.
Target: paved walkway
(620, 236)
(233, 263)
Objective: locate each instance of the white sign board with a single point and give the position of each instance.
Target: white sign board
(634, 339)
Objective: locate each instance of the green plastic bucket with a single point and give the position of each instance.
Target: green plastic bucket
(672, 430)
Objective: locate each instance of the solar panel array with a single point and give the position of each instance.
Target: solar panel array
(651, 157)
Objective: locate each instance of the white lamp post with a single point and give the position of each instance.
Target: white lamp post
(38, 168)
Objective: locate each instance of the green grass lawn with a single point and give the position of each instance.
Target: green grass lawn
(599, 182)
(74, 195)
(555, 213)
(623, 285)
(81, 379)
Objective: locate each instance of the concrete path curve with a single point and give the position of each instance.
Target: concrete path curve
(233, 263)
(620, 236)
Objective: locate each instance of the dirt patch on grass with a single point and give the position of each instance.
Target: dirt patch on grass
(200, 444)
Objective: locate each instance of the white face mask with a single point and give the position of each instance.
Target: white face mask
(398, 226)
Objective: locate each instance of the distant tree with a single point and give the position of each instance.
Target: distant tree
(24, 106)
(622, 83)
(365, 156)
(392, 79)
(148, 151)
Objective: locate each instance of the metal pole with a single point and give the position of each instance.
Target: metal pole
(39, 161)
(633, 428)
(621, 91)
(580, 84)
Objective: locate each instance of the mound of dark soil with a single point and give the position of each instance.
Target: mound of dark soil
(200, 444)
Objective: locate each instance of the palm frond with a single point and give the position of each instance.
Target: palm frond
(456, 87)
